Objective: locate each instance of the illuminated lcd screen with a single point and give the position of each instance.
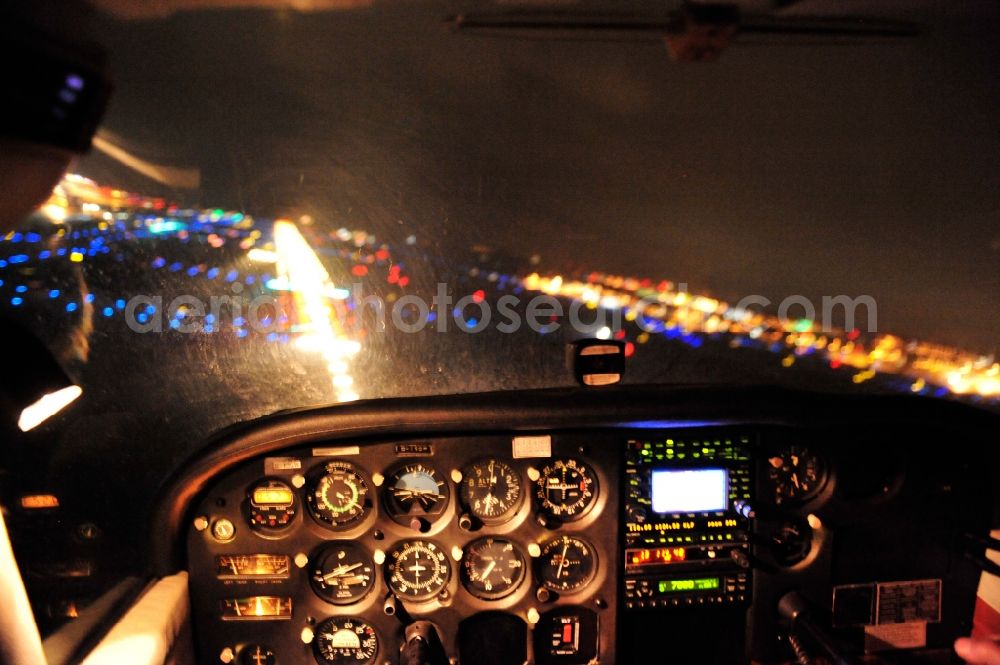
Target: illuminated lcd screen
(272, 496)
(699, 584)
(690, 491)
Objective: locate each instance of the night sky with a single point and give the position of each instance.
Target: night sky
(784, 168)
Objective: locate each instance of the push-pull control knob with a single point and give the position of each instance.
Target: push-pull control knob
(637, 514)
(394, 608)
(740, 558)
(745, 510)
(548, 522)
(422, 646)
(391, 606)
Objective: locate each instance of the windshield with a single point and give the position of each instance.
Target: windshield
(289, 207)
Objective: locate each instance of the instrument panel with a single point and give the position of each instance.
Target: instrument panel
(571, 547)
(327, 553)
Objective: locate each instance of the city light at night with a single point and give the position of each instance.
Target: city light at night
(88, 222)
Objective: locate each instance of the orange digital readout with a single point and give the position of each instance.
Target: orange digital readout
(644, 557)
(36, 501)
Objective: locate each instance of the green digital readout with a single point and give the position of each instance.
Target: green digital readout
(698, 584)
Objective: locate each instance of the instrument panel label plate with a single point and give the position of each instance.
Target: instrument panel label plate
(276, 465)
(908, 602)
(532, 446)
(340, 451)
(887, 603)
(414, 450)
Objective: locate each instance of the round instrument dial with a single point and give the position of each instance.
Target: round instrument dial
(491, 491)
(566, 489)
(416, 490)
(567, 564)
(417, 570)
(342, 572)
(795, 474)
(791, 542)
(345, 641)
(271, 505)
(339, 496)
(492, 568)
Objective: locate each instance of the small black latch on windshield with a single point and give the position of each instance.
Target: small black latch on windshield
(597, 362)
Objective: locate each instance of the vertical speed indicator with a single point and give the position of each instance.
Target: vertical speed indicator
(492, 568)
